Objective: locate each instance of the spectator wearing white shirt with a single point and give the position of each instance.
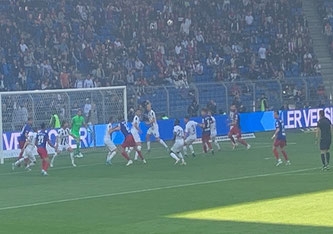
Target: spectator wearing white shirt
(79, 83)
(262, 53)
(217, 60)
(198, 68)
(23, 46)
(178, 49)
(210, 60)
(249, 19)
(138, 65)
(89, 83)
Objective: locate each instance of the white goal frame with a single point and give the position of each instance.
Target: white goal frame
(123, 88)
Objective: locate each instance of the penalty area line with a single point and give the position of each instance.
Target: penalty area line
(151, 189)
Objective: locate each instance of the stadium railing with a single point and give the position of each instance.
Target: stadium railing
(297, 92)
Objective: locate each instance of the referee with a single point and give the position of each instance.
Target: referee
(324, 132)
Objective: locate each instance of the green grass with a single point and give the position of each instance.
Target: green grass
(95, 198)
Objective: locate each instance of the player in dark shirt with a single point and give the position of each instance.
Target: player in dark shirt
(324, 129)
(280, 140)
(23, 136)
(42, 140)
(129, 142)
(206, 121)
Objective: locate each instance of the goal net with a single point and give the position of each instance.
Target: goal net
(97, 105)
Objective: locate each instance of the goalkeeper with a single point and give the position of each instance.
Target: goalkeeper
(77, 122)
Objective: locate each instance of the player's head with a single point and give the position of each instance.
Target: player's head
(138, 112)
(79, 112)
(204, 111)
(148, 105)
(177, 122)
(186, 119)
(43, 126)
(276, 114)
(64, 124)
(321, 114)
(29, 120)
(111, 119)
(233, 107)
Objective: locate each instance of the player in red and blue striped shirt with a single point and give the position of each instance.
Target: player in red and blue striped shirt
(280, 140)
(42, 140)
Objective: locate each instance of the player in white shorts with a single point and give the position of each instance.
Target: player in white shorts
(136, 131)
(177, 147)
(62, 143)
(153, 129)
(29, 151)
(190, 135)
(213, 131)
(108, 141)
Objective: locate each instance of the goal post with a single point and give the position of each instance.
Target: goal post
(97, 105)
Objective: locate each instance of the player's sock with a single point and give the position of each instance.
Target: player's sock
(45, 165)
(328, 156)
(284, 155)
(108, 157)
(276, 154)
(209, 145)
(163, 143)
(217, 145)
(52, 160)
(77, 150)
(232, 139)
(136, 155)
(323, 160)
(174, 156)
(71, 155)
(19, 161)
(148, 145)
(191, 148)
(204, 146)
(113, 154)
(242, 141)
(140, 155)
(125, 155)
(185, 149)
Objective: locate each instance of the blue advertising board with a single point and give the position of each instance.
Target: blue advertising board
(250, 122)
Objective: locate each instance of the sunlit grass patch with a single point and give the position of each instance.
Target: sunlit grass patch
(313, 209)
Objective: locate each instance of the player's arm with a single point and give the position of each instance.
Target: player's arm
(275, 133)
(111, 130)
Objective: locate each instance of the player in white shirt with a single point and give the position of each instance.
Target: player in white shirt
(62, 143)
(190, 135)
(177, 147)
(136, 131)
(153, 129)
(29, 151)
(213, 131)
(108, 141)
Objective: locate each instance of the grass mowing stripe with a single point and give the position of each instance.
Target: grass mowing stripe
(153, 189)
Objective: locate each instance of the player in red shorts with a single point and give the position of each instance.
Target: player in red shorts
(23, 136)
(280, 140)
(129, 142)
(235, 128)
(42, 140)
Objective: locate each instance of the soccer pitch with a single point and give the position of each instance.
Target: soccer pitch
(236, 191)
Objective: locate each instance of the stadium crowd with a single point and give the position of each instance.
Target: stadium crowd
(72, 44)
